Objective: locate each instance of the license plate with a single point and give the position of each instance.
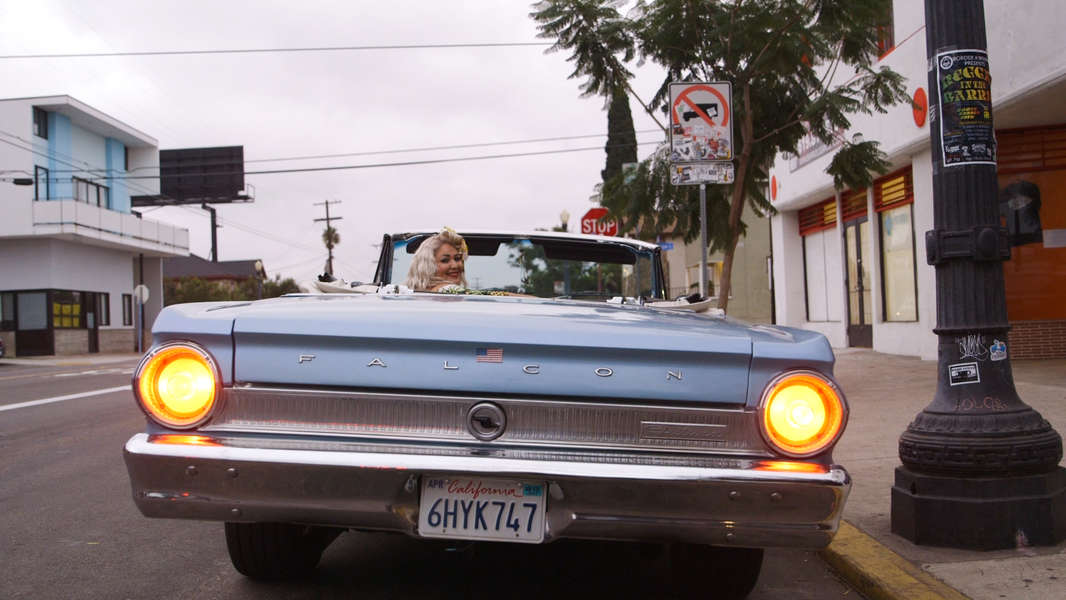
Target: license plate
(472, 508)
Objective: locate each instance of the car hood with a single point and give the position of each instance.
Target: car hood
(499, 345)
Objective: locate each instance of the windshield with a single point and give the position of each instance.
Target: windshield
(546, 267)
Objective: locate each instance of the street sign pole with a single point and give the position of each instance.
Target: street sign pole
(980, 467)
(140, 296)
(701, 145)
(703, 240)
(140, 328)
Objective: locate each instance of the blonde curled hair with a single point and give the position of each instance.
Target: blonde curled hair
(422, 276)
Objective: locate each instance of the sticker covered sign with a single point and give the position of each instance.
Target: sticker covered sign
(701, 121)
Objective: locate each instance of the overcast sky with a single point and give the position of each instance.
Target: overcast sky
(303, 104)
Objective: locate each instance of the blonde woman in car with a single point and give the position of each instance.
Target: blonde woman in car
(439, 264)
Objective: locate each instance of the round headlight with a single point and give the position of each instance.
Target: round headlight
(177, 385)
(802, 413)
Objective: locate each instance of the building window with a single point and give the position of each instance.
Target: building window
(894, 203)
(40, 123)
(821, 260)
(91, 193)
(125, 158)
(67, 310)
(886, 33)
(103, 308)
(42, 189)
(32, 311)
(127, 309)
(7, 311)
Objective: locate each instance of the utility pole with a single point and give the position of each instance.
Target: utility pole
(330, 232)
(980, 467)
(214, 231)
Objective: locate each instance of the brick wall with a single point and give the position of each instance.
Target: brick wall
(1037, 339)
(118, 340)
(71, 341)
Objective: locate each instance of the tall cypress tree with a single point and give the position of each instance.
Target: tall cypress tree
(621, 145)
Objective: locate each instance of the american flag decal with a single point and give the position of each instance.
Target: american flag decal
(489, 355)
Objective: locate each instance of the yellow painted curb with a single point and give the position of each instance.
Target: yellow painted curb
(879, 573)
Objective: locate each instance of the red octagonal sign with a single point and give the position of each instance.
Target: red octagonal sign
(591, 223)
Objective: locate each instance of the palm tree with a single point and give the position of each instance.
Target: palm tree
(330, 238)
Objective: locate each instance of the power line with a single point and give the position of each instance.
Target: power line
(396, 164)
(249, 229)
(276, 50)
(407, 150)
(52, 156)
(278, 270)
(398, 150)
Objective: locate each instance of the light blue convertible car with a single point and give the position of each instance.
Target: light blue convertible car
(561, 396)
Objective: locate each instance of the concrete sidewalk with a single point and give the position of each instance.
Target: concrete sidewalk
(885, 392)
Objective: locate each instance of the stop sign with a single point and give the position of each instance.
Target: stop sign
(591, 223)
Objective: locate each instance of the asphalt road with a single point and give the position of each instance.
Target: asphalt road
(70, 529)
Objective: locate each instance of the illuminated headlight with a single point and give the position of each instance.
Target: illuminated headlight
(177, 385)
(802, 413)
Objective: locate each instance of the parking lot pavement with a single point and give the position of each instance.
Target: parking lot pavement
(885, 392)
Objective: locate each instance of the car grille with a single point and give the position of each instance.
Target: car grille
(539, 423)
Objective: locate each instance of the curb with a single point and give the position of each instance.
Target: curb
(879, 573)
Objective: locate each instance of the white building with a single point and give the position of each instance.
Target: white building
(71, 249)
(823, 240)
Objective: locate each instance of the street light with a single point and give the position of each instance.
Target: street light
(980, 467)
(259, 278)
(17, 180)
(564, 218)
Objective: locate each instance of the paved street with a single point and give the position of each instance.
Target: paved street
(72, 531)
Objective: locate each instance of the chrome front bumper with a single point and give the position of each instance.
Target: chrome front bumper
(718, 501)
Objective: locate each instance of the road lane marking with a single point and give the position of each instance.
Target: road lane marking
(63, 398)
(95, 372)
(126, 371)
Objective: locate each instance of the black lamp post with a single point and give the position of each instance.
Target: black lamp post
(980, 467)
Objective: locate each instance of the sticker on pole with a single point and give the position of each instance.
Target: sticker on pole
(701, 121)
(967, 136)
(701, 172)
(963, 373)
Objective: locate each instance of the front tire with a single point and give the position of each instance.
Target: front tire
(714, 572)
(273, 551)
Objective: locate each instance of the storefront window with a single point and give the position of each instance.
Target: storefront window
(66, 310)
(7, 311)
(897, 260)
(103, 308)
(894, 203)
(821, 260)
(32, 310)
(815, 273)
